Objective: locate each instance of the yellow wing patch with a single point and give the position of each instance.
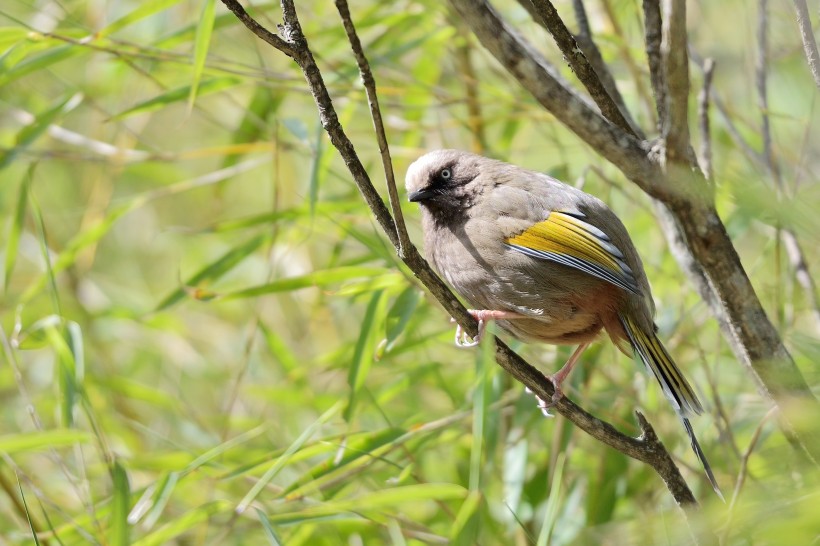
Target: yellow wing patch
(565, 238)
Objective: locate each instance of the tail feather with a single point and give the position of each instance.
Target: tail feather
(702, 456)
(656, 358)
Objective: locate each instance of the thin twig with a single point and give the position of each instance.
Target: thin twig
(744, 471)
(574, 56)
(378, 124)
(794, 252)
(676, 60)
(726, 116)
(653, 37)
(722, 421)
(625, 55)
(281, 44)
(761, 79)
(593, 54)
(807, 36)
(557, 96)
(705, 158)
(647, 448)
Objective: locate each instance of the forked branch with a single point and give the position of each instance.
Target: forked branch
(647, 448)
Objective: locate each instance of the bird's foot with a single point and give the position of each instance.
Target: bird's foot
(463, 339)
(557, 394)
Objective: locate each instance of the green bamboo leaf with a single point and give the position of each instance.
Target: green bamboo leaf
(281, 352)
(31, 132)
(322, 155)
(50, 276)
(69, 255)
(399, 315)
(398, 496)
(126, 387)
(119, 527)
(273, 538)
(516, 457)
(286, 456)
(16, 229)
(201, 45)
(26, 510)
(551, 512)
(67, 373)
(327, 208)
(603, 496)
(316, 279)
(182, 35)
(214, 270)
(144, 9)
(167, 533)
(160, 498)
(360, 451)
(254, 124)
(100, 228)
(42, 440)
(38, 62)
(222, 448)
(385, 499)
(318, 168)
(176, 95)
(484, 362)
(363, 353)
(12, 35)
(465, 528)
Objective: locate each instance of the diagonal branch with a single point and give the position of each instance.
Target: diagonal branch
(378, 124)
(593, 54)
(647, 448)
(281, 44)
(548, 16)
(807, 36)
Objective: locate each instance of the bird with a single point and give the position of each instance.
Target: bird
(546, 261)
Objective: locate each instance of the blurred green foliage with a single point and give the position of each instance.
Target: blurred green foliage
(207, 340)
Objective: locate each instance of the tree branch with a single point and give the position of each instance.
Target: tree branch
(702, 245)
(674, 46)
(647, 448)
(579, 64)
(653, 36)
(593, 54)
(705, 158)
(536, 75)
(807, 36)
(378, 124)
(787, 236)
(260, 31)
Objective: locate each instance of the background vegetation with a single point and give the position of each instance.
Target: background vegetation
(207, 341)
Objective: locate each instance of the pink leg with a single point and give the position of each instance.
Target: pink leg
(558, 377)
(482, 316)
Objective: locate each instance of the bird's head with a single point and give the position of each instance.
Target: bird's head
(447, 182)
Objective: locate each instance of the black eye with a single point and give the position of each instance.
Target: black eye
(445, 174)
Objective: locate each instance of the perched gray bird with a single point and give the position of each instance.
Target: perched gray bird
(546, 261)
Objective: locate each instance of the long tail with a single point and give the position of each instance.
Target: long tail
(656, 358)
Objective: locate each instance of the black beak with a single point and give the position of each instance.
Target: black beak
(421, 195)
